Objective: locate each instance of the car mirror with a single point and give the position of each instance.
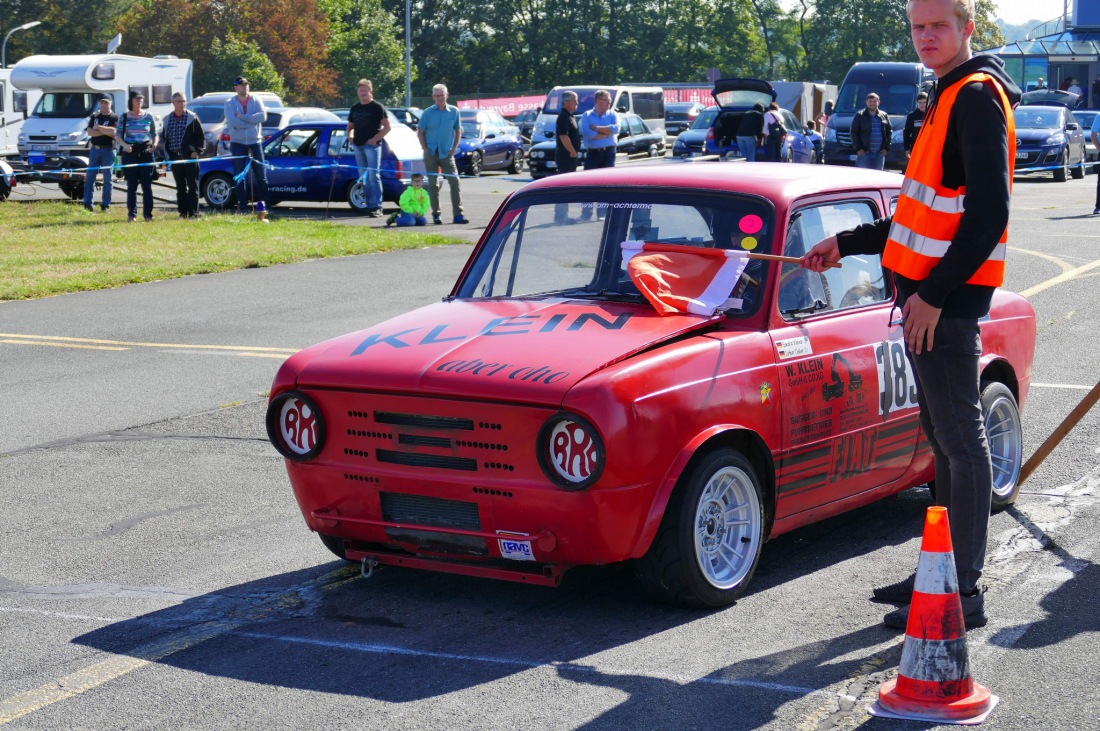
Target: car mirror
(1071, 127)
(622, 109)
(491, 136)
(623, 133)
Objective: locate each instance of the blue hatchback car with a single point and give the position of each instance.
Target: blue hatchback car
(1049, 140)
(489, 142)
(314, 162)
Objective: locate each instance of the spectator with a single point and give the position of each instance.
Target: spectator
(913, 123)
(414, 203)
(1040, 84)
(823, 118)
(567, 146)
(184, 142)
(440, 131)
(1094, 100)
(600, 130)
(1096, 142)
(102, 127)
(367, 125)
(138, 131)
(1073, 88)
(817, 141)
(750, 132)
(871, 135)
(244, 118)
(774, 132)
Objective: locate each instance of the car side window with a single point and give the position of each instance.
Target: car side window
(338, 143)
(860, 281)
(636, 126)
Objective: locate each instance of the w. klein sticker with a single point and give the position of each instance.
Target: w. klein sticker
(793, 347)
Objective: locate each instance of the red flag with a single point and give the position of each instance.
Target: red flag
(684, 279)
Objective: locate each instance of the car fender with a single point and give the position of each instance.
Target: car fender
(718, 433)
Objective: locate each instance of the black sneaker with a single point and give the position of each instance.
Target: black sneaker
(437, 220)
(1096, 211)
(899, 593)
(973, 607)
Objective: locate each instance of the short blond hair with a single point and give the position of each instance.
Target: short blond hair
(364, 82)
(964, 9)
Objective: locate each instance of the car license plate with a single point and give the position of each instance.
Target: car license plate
(40, 148)
(853, 157)
(551, 164)
(1021, 155)
(512, 547)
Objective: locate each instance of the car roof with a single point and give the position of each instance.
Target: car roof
(779, 183)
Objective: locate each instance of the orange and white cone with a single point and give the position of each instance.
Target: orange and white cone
(934, 682)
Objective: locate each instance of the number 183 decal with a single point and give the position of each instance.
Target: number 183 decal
(897, 386)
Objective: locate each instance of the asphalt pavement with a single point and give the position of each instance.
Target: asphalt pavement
(155, 571)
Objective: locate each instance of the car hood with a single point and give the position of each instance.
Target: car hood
(521, 350)
(693, 135)
(1036, 135)
(742, 93)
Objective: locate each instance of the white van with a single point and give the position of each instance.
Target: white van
(648, 102)
(56, 134)
(15, 106)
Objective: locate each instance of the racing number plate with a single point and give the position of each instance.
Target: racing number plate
(512, 546)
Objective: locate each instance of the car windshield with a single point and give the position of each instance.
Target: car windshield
(568, 243)
(705, 119)
(66, 104)
(893, 98)
(1032, 118)
(274, 119)
(209, 115)
(470, 130)
(585, 100)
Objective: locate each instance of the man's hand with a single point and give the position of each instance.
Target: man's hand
(824, 251)
(920, 323)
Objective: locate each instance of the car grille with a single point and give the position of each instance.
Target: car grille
(1031, 158)
(430, 511)
(43, 138)
(844, 138)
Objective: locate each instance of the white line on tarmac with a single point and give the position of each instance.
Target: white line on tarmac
(376, 649)
(1070, 386)
(61, 615)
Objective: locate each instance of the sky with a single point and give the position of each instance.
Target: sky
(1021, 11)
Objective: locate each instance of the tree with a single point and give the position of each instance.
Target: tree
(364, 43)
(68, 26)
(987, 34)
(235, 57)
(844, 33)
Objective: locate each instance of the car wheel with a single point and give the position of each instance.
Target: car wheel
(217, 189)
(357, 196)
(790, 155)
(1062, 173)
(473, 168)
(1079, 171)
(1005, 435)
(334, 544)
(652, 150)
(517, 163)
(710, 538)
(75, 190)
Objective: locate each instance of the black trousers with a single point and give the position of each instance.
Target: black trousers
(186, 175)
(141, 173)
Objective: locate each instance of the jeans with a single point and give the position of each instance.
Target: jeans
(433, 165)
(871, 161)
(951, 416)
(141, 175)
(747, 147)
(368, 158)
(774, 148)
(186, 175)
(100, 159)
(601, 157)
(253, 185)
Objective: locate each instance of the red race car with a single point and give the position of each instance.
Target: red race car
(617, 376)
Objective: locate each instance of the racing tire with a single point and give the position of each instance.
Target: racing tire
(334, 544)
(217, 190)
(1004, 432)
(1079, 171)
(1062, 173)
(473, 168)
(705, 551)
(357, 196)
(517, 163)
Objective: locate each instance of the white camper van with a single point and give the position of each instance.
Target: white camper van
(648, 102)
(15, 106)
(55, 136)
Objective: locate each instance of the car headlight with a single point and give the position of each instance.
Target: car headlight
(570, 451)
(69, 137)
(537, 154)
(1055, 139)
(830, 134)
(295, 426)
(898, 137)
(22, 137)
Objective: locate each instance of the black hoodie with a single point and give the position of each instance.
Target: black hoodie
(975, 154)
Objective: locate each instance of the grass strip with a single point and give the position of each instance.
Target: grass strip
(49, 248)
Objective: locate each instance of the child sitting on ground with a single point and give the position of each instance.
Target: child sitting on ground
(414, 205)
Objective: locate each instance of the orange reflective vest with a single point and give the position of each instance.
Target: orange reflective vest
(928, 214)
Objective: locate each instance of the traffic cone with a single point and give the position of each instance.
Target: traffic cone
(261, 212)
(934, 682)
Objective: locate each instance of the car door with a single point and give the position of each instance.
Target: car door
(290, 175)
(341, 170)
(848, 397)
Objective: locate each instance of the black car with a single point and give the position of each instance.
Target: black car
(525, 120)
(636, 139)
(679, 116)
(408, 116)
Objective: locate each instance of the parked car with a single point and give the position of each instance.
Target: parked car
(281, 117)
(341, 112)
(314, 162)
(489, 142)
(636, 139)
(1049, 141)
(544, 415)
(692, 141)
(679, 116)
(408, 116)
(525, 120)
(734, 97)
(1048, 97)
(210, 108)
(7, 180)
(1085, 118)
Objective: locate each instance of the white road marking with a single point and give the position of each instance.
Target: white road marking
(1070, 386)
